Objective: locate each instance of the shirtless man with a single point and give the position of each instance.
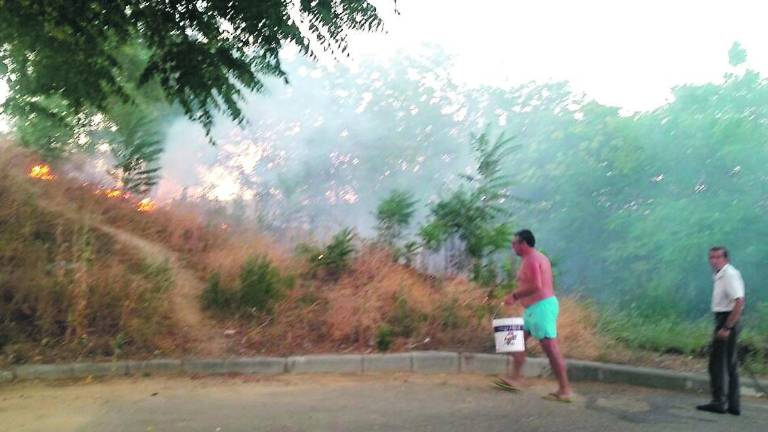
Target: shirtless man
(536, 294)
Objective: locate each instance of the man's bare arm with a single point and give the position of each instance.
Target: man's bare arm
(735, 314)
(733, 318)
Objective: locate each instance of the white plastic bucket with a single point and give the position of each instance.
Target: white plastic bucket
(509, 335)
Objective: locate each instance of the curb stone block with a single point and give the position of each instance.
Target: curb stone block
(418, 362)
(536, 367)
(667, 380)
(699, 384)
(435, 362)
(645, 377)
(399, 362)
(749, 391)
(204, 366)
(6, 376)
(156, 366)
(583, 371)
(83, 370)
(345, 363)
(257, 365)
(483, 363)
(44, 371)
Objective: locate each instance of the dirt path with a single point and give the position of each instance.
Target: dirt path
(205, 338)
(202, 335)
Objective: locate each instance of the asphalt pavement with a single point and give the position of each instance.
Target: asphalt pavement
(399, 402)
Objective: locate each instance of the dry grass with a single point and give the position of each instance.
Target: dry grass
(345, 316)
(66, 290)
(315, 316)
(234, 248)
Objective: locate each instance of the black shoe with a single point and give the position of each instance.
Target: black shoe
(712, 407)
(733, 411)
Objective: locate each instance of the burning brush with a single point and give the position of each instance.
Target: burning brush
(146, 205)
(41, 172)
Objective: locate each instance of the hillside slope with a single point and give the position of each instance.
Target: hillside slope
(89, 276)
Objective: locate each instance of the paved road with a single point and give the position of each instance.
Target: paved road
(351, 403)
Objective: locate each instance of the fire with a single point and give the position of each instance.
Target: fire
(42, 172)
(113, 193)
(145, 205)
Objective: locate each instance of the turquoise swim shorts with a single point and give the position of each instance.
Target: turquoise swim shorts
(540, 318)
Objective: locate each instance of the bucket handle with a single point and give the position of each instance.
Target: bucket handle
(497, 310)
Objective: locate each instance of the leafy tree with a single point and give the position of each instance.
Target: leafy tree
(737, 55)
(647, 195)
(394, 214)
(203, 54)
(711, 192)
(48, 128)
(136, 146)
(475, 213)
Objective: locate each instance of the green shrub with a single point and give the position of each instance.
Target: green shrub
(450, 315)
(393, 215)
(508, 282)
(407, 252)
(756, 319)
(754, 338)
(485, 274)
(333, 259)
(653, 328)
(214, 297)
(309, 298)
(662, 333)
(384, 337)
(260, 284)
(404, 319)
(119, 343)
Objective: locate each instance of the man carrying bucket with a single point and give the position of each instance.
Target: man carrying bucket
(535, 292)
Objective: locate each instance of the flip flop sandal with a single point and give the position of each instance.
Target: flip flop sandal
(503, 385)
(554, 397)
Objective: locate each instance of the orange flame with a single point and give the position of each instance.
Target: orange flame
(113, 193)
(146, 205)
(42, 172)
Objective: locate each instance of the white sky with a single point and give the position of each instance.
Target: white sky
(623, 53)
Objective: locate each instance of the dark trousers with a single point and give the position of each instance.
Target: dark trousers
(724, 362)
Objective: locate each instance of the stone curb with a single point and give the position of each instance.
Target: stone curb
(325, 363)
(421, 362)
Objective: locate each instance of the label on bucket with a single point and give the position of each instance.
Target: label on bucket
(509, 334)
(513, 327)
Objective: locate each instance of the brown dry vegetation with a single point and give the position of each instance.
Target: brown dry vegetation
(66, 290)
(316, 315)
(442, 314)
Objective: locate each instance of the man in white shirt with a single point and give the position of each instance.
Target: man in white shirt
(727, 304)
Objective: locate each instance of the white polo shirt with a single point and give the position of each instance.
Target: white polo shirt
(729, 286)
